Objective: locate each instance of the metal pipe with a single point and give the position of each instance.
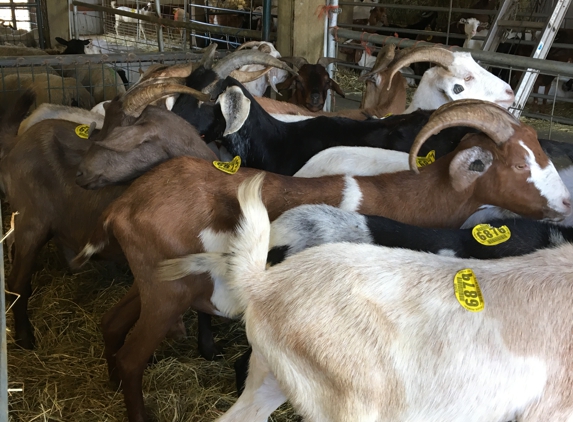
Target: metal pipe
(330, 48)
(76, 26)
(184, 32)
(3, 349)
(160, 44)
(266, 20)
(545, 66)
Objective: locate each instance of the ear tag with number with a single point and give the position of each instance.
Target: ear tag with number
(83, 131)
(428, 159)
(230, 167)
(491, 236)
(467, 291)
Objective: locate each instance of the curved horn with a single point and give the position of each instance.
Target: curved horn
(298, 62)
(385, 57)
(134, 104)
(249, 44)
(208, 56)
(244, 77)
(432, 54)
(235, 60)
(325, 61)
(490, 118)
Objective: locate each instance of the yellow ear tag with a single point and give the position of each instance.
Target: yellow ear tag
(491, 236)
(387, 115)
(83, 131)
(230, 167)
(428, 159)
(467, 291)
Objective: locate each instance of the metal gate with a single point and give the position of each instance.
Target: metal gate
(21, 22)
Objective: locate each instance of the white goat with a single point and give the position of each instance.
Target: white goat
(473, 27)
(47, 111)
(354, 161)
(356, 332)
(146, 10)
(458, 77)
(272, 78)
(362, 12)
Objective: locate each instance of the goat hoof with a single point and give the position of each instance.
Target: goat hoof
(212, 352)
(26, 341)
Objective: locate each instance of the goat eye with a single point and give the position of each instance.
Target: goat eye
(468, 78)
(521, 166)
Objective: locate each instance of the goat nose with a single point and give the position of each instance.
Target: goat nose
(314, 98)
(567, 203)
(79, 173)
(509, 91)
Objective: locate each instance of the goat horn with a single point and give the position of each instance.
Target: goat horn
(208, 56)
(135, 103)
(437, 55)
(298, 62)
(244, 77)
(325, 61)
(249, 44)
(490, 118)
(235, 60)
(385, 57)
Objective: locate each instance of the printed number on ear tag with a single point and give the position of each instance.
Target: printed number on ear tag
(467, 291)
(491, 236)
(230, 167)
(83, 131)
(428, 159)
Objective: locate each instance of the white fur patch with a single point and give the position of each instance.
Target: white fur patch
(548, 182)
(222, 298)
(447, 252)
(351, 195)
(289, 118)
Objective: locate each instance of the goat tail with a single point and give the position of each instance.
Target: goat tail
(242, 267)
(98, 241)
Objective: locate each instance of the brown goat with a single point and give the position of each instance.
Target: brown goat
(312, 83)
(377, 100)
(187, 206)
(38, 177)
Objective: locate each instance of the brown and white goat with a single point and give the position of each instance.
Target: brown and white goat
(38, 173)
(356, 332)
(187, 206)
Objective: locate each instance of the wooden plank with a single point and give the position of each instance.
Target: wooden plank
(300, 31)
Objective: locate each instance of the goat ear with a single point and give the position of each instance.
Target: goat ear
(235, 108)
(86, 42)
(463, 21)
(468, 165)
(61, 41)
(339, 91)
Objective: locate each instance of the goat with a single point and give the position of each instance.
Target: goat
(38, 171)
(47, 111)
(11, 50)
(312, 82)
(146, 10)
(156, 219)
(473, 27)
(180, 15)
(301, 316)
(457, 76)
(48, 88)
(274, 75)
(73, 46)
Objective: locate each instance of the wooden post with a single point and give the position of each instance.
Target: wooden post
(300, 32)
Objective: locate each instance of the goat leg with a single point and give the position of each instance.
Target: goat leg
(241, 366)
(115, 325)
(262, 395)
(158, 314)
(206, 342)
(28, 242)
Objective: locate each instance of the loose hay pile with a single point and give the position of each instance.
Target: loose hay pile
(65, 378)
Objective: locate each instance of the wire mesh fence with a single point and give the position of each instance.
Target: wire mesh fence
(82, 81)
(112, 32)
